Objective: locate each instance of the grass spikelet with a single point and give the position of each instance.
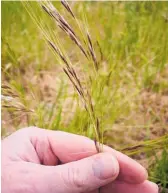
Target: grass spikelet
(68, 8)
(10, 100)
(63, 24)
(91, 51)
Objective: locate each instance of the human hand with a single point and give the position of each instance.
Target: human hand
(41, 161)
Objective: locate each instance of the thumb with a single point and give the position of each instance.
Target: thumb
(81, 176)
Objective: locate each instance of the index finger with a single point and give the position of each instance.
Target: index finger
(130, 170)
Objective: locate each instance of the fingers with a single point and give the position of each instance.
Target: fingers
(84, 175)
(70, 147)
(130, 170)
(122, 187)
(77, 147)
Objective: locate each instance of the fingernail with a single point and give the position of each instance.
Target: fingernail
(105, 166)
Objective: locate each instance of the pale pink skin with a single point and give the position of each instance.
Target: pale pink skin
(41, 161)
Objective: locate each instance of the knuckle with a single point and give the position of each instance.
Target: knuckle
(75, 178)
(29, 129)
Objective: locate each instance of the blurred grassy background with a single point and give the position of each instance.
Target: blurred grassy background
(131, 96)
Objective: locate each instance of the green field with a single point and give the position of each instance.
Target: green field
(129, 88)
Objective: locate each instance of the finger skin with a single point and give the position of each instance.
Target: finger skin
(130, 170)
(122, 187)
(81, 176)
(76, 147)
(49, 147)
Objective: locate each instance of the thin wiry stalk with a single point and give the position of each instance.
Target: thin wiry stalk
(147, 145)
(85, 97)
(100, 50)
(57, 50)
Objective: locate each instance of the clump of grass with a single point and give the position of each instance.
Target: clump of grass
(159, 169)
(146, 146)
